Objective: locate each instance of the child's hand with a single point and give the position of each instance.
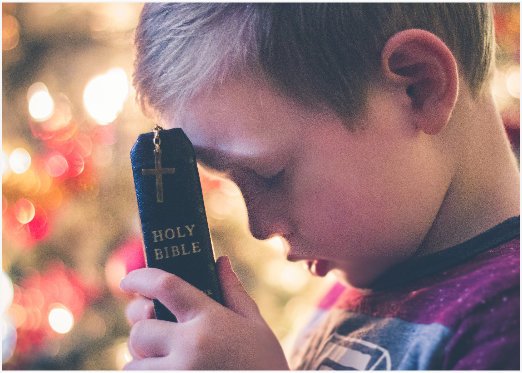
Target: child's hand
(207, 335)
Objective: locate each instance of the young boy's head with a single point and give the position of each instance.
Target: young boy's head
(322, 55)
(331, 118)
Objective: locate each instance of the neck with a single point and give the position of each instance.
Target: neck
(485, 188)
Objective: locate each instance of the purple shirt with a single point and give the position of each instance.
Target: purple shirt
(455, 309)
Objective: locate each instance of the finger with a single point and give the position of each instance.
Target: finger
(235, 296)
(149, 338)
(181, 298)
(139, 309)
(133, 353)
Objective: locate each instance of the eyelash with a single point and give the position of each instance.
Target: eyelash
(271, 182)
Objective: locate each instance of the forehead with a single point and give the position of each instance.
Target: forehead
(241, 117)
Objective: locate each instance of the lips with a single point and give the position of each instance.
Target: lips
(318, 267)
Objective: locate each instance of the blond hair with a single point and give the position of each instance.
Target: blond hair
(321, 55)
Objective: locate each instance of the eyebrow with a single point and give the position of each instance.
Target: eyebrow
(211, 159)
(222, 163)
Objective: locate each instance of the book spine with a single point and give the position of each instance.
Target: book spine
(174, 225)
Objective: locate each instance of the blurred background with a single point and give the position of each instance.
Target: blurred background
(70, 226)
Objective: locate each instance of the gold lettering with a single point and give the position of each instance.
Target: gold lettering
(175, 250)
(169, 234)
(190, 229)
(159, 254)
(179, 232)
(158, 235)
(173, 232)
(195, 247)
(184, 252)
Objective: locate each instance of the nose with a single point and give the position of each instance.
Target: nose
(268, 208)
(267, 218)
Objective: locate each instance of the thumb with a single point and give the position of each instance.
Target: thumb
(234, 294)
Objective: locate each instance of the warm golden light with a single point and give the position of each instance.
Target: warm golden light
(19, 160)
(10, 32)
(5, 162)
(290, 277)
(24, 211)
(277, 243)
(513, 81)
(61, 319)
(105, 95)
(122, 355)
(41, 104)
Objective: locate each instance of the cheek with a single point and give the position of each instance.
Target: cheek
(340, 219)
(327, 209)
(382, 205)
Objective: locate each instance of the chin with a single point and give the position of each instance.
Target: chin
(360, 279)
(363, 272)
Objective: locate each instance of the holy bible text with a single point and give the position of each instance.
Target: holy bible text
(172, 213)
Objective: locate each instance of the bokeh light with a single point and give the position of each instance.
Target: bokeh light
(56, 165)
(61, 319)
(24, 211)
(39, 225)
(10, 32)
(19, 160)
(126, 258)
(76, 164)
(105, 95)
(7, 292)
(9, 337)
(41, 104)
(8, 328)
(67, 191)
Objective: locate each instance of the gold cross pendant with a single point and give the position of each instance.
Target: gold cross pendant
(158, 171)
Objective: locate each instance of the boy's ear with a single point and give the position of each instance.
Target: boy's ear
(425, 67)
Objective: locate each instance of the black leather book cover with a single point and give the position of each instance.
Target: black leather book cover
(172, 213)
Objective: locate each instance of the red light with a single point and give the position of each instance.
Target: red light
(76, 164)
(39, 226)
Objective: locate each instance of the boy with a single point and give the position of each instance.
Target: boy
(366, 136)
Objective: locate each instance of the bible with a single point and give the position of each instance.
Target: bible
(170, 202)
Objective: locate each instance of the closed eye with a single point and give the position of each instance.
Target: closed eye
(273, 181)
(220, 166)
